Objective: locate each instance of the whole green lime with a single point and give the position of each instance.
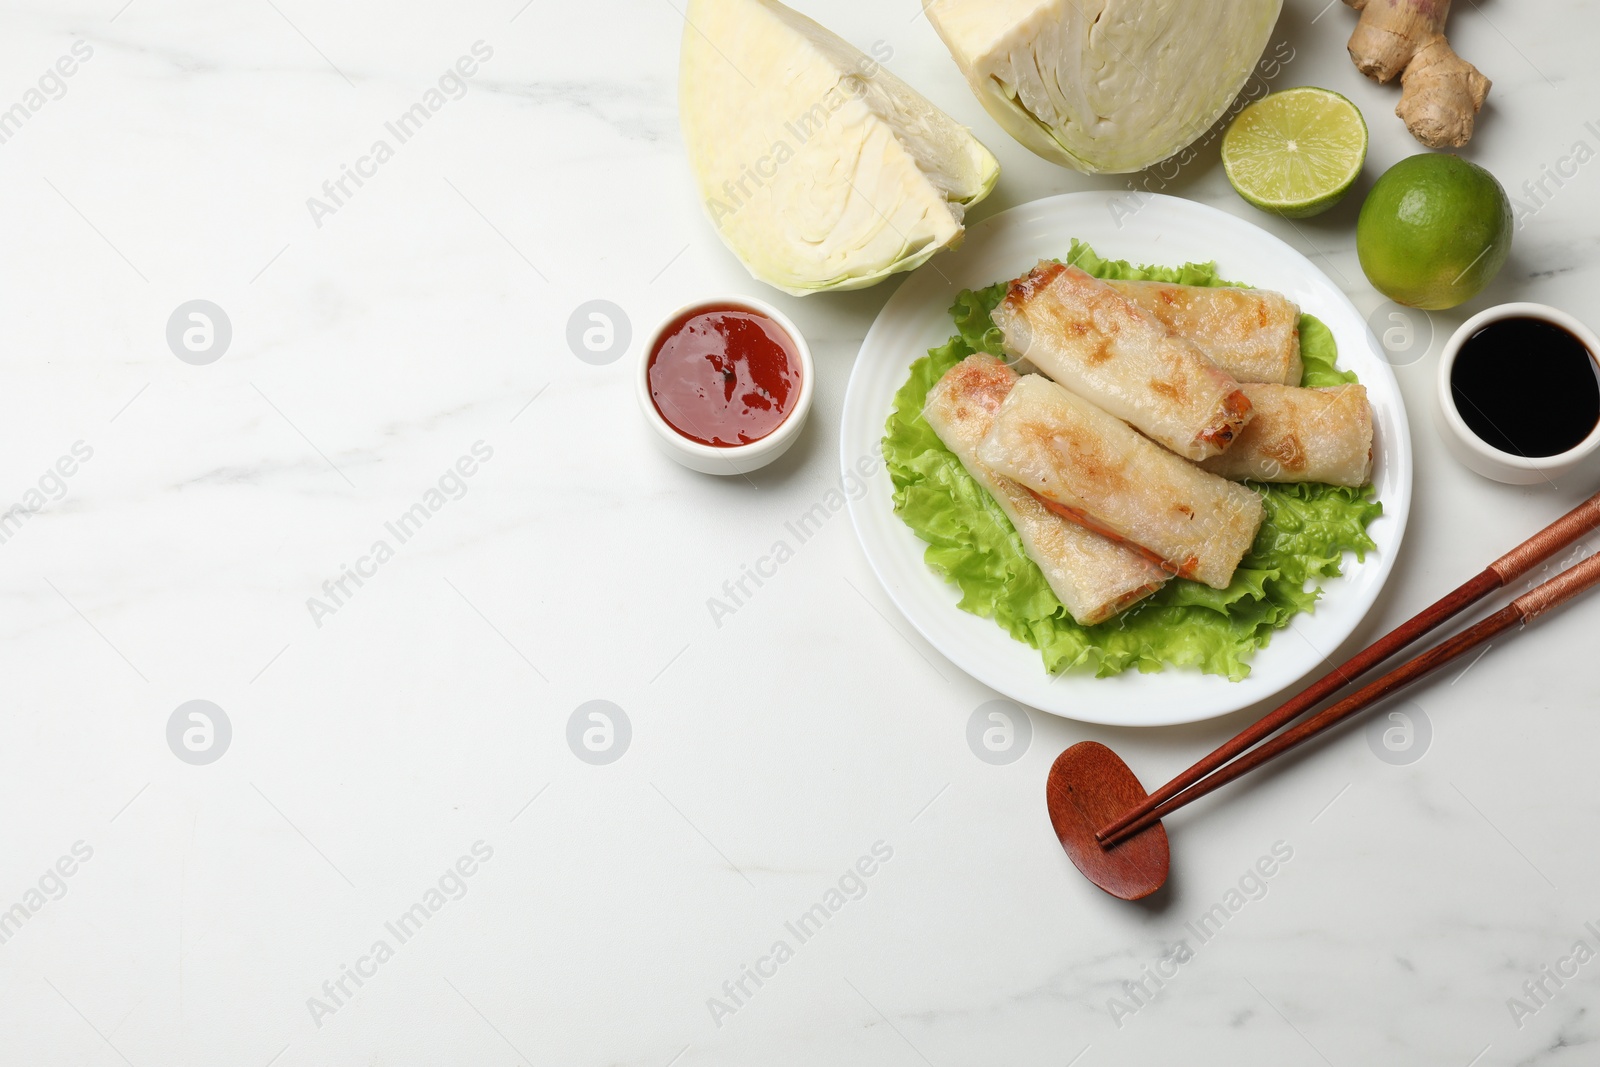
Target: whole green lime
(1434, 231)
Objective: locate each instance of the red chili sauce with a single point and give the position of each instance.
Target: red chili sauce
(724, 375)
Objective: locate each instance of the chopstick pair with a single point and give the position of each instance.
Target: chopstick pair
(1215, 769)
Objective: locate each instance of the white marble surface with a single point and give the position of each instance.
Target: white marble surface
(371, 752)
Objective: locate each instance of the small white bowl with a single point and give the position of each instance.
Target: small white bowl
(1471, 449)
(735, 459)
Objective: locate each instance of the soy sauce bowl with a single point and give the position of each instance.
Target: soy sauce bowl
(727, 459)
(1473, 451)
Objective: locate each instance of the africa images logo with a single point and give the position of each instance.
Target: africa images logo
(451, 485)
(850, 886)
(451, 85)
(451, 885)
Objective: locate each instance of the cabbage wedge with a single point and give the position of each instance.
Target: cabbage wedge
(1105, 86)
(819, 168)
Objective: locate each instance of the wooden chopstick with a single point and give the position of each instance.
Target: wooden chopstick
(1523, 610)
(1579, 522)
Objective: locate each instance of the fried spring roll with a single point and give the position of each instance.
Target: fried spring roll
(1104, 347)
(1302, 435)
(1093, 577)
(1095, 470)
(1252, 334)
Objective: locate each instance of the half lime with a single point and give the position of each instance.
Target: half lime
(1296, 153)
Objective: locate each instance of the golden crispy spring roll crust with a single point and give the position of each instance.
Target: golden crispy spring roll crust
(1102, 473)
(1093, 577)
(1104, 347)
(1302, 435)
(1253, 334)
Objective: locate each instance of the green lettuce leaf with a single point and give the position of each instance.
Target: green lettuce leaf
(1307, 531)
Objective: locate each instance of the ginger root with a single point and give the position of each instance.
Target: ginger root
(1442, 93)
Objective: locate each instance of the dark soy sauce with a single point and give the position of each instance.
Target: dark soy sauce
(1526, 387)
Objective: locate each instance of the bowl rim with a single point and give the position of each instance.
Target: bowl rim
(772, 442)
(1452, 415)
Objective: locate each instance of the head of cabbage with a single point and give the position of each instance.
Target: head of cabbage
(1105, 86)
(819, 168)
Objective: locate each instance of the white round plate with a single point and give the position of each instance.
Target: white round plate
(1169, 232)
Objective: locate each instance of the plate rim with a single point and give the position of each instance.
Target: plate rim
(1195, 708)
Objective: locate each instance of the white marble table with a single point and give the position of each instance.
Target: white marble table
(399, 748)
